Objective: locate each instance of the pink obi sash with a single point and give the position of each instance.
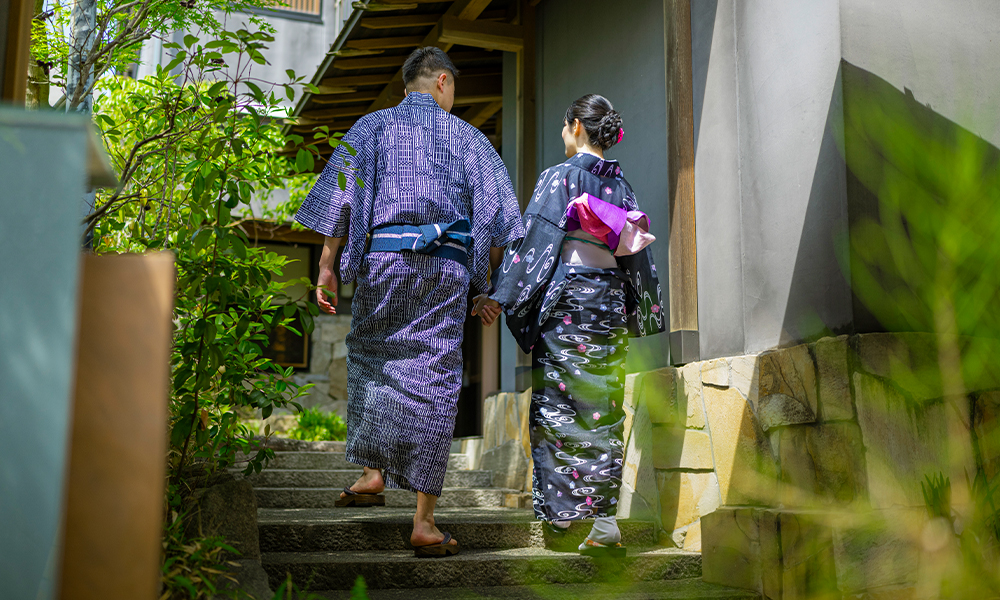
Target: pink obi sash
(625, 232)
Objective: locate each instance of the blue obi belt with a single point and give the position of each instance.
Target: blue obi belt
(447, 240)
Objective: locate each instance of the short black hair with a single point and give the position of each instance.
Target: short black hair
(426, 62)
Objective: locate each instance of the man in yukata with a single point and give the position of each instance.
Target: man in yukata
(439, 207)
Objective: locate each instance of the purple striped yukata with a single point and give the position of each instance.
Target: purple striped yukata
(417, 165)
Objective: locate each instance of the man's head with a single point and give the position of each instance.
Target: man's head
(429, 70)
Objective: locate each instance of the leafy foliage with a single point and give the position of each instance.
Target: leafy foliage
(121, 28)
(192, 568)
(313, 425)
(194, 150)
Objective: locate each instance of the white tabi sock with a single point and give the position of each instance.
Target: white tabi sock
(605, 531)
(561, 524)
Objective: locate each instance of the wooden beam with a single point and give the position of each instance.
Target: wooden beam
(327, 99)
(14, 83)
(354, 81)
(410, 41)
(397, 61)
(682, 245)
(305, 129)
(527, 169)
(269, 231)
(401, 21)
(462, 9)
(491, 36)
(478, 114)
(332, 113)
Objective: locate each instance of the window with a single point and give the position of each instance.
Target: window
(302, 7)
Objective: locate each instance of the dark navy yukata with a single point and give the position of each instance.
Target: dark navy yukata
(576, 322)
(419, 165)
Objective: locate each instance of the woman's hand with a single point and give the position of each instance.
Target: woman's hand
(327, 282)
(488, 310)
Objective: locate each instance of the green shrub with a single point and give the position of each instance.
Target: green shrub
(316, 426)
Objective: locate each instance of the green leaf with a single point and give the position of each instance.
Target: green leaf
(304, 161)
(255, 90)
(342, 180)
(290, 73)
(217, 88)
(267, 410)
(180, 58)
(190, 40)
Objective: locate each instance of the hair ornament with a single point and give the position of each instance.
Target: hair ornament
(621, 134)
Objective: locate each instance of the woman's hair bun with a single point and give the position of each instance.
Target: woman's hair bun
(599, 118)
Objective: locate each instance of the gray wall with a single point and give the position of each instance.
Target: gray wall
(769, 180)
(629, 69)
(945, 52)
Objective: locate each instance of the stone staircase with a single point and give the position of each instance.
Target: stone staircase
(505, 552)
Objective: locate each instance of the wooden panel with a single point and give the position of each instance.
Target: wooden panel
(344, 98)
(478, 114)
(526, 113)
(397, 61)
(332, 113)
(114, 502)
(489, 354)
(401, 21)
(266, 231)
(464, 9)
(683, 256)
(307, 7)
(355, 80)
(491, 36)
(386, 43)
(15, 69)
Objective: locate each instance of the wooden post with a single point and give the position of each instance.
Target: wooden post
(527, 167)
(115, 484)
(683, 253)
(14, 80)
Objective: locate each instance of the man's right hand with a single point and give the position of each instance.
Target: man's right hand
(327, 282)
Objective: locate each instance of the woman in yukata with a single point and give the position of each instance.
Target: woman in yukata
(574, 289)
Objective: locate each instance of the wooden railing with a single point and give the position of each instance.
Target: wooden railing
(307, 7)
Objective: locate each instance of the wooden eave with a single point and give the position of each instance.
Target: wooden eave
(362, 71)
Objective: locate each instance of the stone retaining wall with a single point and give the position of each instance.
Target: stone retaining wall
(796, 469)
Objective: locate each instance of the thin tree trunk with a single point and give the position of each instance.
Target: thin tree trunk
(38, 80)
(78, 84)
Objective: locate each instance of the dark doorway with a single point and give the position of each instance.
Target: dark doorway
(469, 421)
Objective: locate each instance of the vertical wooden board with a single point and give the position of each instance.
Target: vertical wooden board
(14, 83)
(490, 357)
(527, 167)
(683, 274)
(117, 464)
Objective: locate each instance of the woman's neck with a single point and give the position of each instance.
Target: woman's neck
(588, 149)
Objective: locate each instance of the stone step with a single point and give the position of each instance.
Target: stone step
(315, 478)
(475, 568)
(680, 589)
(326, 530)
(326, 497)
(336, 461)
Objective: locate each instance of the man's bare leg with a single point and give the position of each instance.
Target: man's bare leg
(424, 530)
(370, 482)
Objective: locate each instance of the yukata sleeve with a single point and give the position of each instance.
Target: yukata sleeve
(327, 208)
(496, 216)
